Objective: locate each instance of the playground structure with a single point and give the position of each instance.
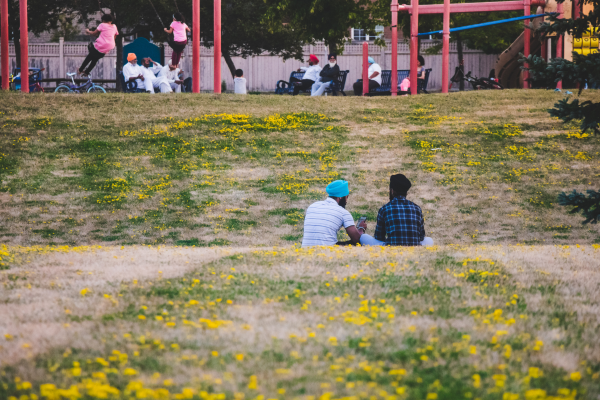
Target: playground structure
(507, 65)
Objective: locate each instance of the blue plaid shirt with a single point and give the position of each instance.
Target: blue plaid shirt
(400, 223)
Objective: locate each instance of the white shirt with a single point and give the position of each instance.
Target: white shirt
(239, 85)
(322, 222)
(171, 76)
(155, 68)
(130, 70)
(375, 68)
(311, 72)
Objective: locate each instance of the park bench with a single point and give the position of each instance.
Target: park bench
(285, 87)
(386, 82)
(129, 86)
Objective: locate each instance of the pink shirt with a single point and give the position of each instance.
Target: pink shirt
(106, 40)
(179, 34)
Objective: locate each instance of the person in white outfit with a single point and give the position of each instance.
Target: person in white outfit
(399, 222)
(171, 72)
(239, 82)
(152, 69)
(311, 75)
(145, 77)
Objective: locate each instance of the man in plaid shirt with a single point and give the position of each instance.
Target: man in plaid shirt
(399, 222)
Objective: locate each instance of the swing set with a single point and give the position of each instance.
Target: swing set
(4, 61)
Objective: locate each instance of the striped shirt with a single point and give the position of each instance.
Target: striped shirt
(322, 222)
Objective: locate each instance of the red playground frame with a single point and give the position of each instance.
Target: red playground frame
(414, 10)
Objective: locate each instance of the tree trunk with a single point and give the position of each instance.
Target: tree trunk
(228, 60)
(17, 43)
(333, 48)
(459, 50)
(119, 47)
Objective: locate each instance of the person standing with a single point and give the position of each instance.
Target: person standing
(311, 75)
(327, 76)
(106, 33)
(374, 74)
(179, 30)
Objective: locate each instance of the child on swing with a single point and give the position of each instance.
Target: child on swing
(107, 32)
(179, 30)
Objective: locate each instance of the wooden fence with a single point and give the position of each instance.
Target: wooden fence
(261, 72)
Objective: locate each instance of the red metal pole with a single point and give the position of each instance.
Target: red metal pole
(527, 42)
(24, 47)
(365, 71)
(414, 45)
(217, 39)
(4, 46)
(446, 47)
(576, 9)
(559, 42)
(394, 48)
(196, 47)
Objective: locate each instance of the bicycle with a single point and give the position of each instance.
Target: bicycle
(89, 86)
(482, 83)
(35, 79)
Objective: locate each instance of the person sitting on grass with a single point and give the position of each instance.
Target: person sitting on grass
(327, 77)
(239, 82)
(311, 75)
(324, 218)
(104, 44)
(374, 74)
(171, 73)
(144, 76)
(399, 222)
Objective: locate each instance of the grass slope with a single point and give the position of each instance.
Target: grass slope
(505, 307)
(207, 170)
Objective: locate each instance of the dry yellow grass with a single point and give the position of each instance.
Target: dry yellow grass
(505, 307)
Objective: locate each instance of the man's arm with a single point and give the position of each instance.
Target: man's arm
(380, 227)
(421, 226)
(354, 234)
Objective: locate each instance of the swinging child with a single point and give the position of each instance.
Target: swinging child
(179, 30)
(107, 32)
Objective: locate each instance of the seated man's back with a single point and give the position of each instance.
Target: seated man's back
(400, 223)
(325, 218)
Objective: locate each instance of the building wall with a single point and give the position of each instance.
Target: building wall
(261, 72)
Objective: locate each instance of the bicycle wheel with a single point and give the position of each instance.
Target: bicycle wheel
(62, 89)
(96, 89)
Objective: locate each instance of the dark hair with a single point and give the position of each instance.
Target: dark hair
(421, 60)
(239, 73)
(179, 17)
(106, 18)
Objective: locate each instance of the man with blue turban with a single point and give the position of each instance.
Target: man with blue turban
(374, 75)
(325, 218)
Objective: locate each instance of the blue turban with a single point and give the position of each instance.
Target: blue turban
(371, 61)
(338, 189)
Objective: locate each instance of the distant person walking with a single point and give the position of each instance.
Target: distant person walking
(179, 30)
(311, 75)
(327, 76)
(106, 33)
(374, 75)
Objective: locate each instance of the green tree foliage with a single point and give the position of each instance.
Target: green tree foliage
(329, 20)
(42, 16)
(588, 206)
(583, 69)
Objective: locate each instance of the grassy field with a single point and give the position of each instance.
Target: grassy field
(148, 249)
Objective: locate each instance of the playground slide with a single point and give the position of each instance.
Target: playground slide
(508, 69)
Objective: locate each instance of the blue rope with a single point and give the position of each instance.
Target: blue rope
(502, 21)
